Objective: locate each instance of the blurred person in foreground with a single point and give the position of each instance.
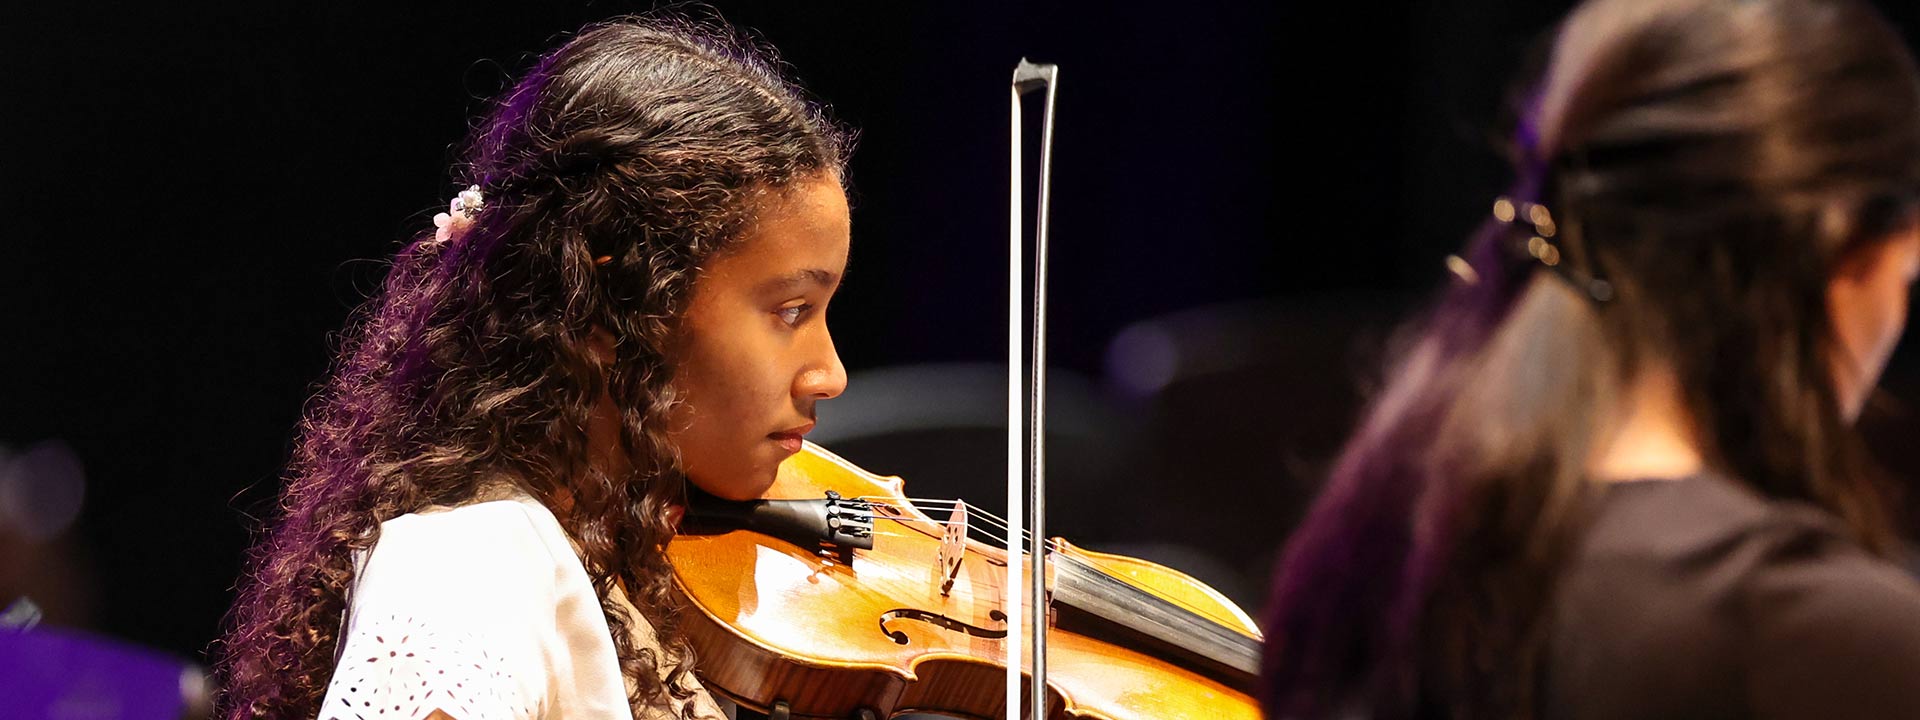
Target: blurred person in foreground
(1613, 473)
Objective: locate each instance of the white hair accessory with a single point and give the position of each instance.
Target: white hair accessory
(459, 215)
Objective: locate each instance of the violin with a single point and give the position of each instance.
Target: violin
(850, 600)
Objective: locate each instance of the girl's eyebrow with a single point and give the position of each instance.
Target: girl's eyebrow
(822, 278)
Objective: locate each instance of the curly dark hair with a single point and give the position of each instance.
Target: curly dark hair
(624, 161)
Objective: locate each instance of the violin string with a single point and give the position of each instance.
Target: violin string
(916, 502)
(1001, 538)
(998, 537)
(949, 505)
(990, 586)
(972, 511)
(1000, 522)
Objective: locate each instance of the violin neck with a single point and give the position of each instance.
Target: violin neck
(1151, 623)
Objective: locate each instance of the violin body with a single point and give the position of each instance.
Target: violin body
(877, 629)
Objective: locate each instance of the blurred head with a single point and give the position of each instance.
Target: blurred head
(636, 180)
(1754, 160)
(1743, 174)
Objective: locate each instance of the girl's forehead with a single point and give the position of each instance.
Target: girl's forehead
(798, 241)
(808, 225)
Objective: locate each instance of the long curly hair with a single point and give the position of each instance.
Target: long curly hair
(623, 161)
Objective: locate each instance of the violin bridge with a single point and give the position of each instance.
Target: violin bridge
(953, 546)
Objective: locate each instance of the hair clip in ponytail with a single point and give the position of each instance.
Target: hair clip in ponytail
(1542, 247)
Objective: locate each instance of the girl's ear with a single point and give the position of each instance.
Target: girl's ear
(1867, 303)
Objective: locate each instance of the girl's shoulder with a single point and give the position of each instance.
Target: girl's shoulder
(1711, 547)
(508, 530)
(1699, 594)
(482, 610)
(1708, 528)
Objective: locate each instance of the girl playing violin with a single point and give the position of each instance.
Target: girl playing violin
(632, 296)
(1614, 475)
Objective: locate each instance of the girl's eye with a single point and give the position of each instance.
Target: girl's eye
(792, 315)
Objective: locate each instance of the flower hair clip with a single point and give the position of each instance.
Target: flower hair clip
(458, 218)
(459, 215)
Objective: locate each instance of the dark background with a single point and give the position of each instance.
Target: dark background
(193, 198)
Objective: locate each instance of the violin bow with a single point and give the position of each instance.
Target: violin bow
(1028, 480)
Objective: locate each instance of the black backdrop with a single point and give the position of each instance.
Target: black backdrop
(193, 198)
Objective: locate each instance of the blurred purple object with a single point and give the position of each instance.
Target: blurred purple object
(64, 675)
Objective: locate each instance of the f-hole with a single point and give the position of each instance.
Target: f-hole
(941, 621)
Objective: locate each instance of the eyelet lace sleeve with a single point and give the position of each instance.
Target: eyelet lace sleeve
(485, 612)
(459, 611)
(401, 668)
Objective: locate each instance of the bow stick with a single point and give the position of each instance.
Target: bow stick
(1028, 481)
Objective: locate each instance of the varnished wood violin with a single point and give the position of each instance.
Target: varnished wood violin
(850, 598)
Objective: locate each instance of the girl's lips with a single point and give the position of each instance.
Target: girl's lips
(789, 439)
(789, 442)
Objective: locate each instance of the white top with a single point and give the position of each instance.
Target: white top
(484, 612)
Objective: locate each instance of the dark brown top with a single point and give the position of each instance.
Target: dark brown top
(1699, 599)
